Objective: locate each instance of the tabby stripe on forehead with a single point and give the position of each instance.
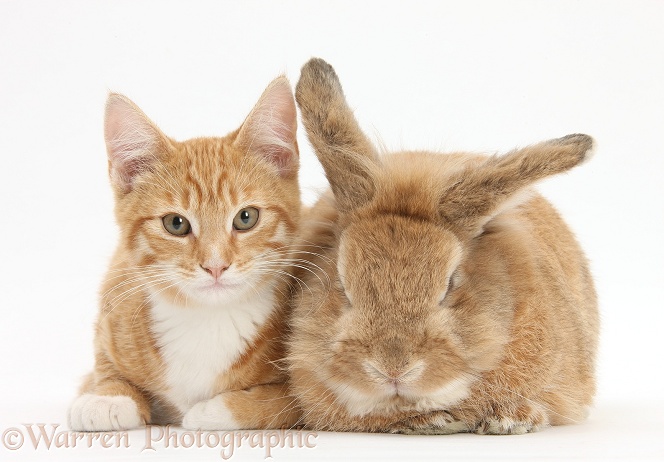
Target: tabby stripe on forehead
(232, 194)
(221, 181)
(186, 198)
(166, 192)
(229, 193)
(197, 186)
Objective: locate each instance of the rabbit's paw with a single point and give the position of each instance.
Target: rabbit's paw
(525, 420)
(432, 423)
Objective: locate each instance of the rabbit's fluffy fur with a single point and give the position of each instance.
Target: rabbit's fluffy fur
(447, 295)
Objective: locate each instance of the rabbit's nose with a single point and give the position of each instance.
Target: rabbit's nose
(393, 374)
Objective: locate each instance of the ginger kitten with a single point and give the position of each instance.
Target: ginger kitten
(193, 305)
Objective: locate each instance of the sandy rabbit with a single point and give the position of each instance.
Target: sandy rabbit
(446, 295)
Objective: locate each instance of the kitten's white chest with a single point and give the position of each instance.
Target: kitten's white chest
(198, 343)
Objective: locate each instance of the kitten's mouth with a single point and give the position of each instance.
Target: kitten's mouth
(220, 286)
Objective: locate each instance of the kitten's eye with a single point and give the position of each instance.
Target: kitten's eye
(245, 219)
(176, 224)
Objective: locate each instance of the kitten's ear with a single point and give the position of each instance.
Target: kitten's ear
(480, 193)
(270, 128)
(133, 142)
(348, 157)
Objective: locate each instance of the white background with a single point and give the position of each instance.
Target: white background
(448, 75)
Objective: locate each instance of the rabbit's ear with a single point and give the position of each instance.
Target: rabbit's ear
(479, 193)
(348, 157)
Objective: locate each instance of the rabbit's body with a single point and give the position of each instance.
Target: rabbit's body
(450, 296)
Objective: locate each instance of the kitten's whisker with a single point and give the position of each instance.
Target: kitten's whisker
(135, 269)
(307, 269)
(146, 278)
(131, 280)
(117, 300)
(285, 273)
(298, 263)
(296, 249)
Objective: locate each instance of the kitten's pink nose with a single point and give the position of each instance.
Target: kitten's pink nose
(216, 271)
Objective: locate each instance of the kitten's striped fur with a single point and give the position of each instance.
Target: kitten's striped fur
(191, 326)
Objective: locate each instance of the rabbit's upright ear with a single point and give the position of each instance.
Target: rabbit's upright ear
(348, 157)
(480, 193)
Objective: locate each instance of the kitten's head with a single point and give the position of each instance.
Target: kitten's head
(206, 220)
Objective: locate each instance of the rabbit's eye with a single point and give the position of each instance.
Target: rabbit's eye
(348, 299)
(451, 284)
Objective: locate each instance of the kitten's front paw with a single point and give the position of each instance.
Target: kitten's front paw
(96, 413)
(211, 414)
